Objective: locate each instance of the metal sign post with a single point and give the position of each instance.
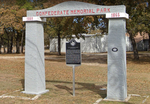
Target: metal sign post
(73, 57)
(73, 67)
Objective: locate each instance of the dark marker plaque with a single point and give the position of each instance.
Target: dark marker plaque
(73, 53)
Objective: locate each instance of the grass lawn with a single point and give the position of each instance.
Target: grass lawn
(90, 77)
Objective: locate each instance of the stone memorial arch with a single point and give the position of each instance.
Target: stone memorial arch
(34, 48)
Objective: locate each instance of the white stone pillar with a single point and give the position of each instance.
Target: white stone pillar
(116, 59)
(34, 58)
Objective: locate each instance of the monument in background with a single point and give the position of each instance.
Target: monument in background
(34, 53)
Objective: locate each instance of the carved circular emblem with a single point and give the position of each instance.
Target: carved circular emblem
(114, 49)
(73, 43)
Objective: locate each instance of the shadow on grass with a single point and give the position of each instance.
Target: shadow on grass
(53, 53)
(102, 59)
(99, 58)
(142, 60)
(55, 59)
(88, 86)
(22, 82)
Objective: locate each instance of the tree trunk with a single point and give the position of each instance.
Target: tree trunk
(0, 46)
(4, 49)
(8, 41)
(22, 37)
(17, 44)
(59, 45)
(135, 51)
(8, 45)
(149, 42)
(11, 42)
(2, 43)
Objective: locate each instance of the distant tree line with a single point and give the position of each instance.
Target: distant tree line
(12, 28)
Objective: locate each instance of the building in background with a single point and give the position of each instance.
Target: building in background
(96, 43)
(142, 42)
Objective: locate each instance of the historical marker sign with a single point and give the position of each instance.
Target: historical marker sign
(73, 57)
(73, 53)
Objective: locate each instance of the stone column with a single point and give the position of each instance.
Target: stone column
(34, 58)
(117, 84)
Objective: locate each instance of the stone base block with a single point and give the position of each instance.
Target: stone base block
(36, 93)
